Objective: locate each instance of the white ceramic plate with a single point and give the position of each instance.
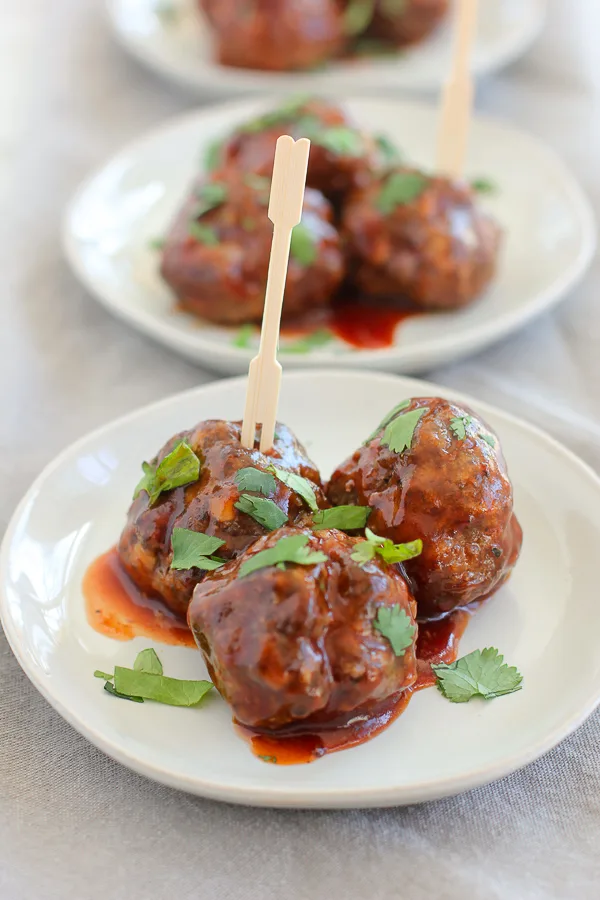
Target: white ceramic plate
(550, 237)
(546, 621)
(178, 45)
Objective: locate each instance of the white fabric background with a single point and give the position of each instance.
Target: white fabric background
(74, 824)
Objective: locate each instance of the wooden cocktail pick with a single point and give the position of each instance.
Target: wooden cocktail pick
(285, 211)
(457, 96)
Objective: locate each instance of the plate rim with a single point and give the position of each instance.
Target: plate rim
(272, 796)
(438, 350)
(265, 80)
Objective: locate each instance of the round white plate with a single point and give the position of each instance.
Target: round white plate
(546, 620)
(171, 37)
(549, 240)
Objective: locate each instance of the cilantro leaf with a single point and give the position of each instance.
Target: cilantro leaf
(388, 418)
(111, 689)
(283, 113)
(345, 518)
(340, 140)
(210, 195)
(100, 674)
(400, 188)
(181, 466)
(172, 691)
(459, 425)
(266, 758)
(358, 15)
(389, 552)
(252, 479)
(309, 342)
(399, 432)
(193, 549)
(484, 186)
(265, 512)
(489, 440)
(303, 247)
(243, 337)
(157, 243)
(291, 549)
(203, 234)
(148, 661)
(395, 625)
(482, 673)
(387, 149)
(212, 154)
(298, 485)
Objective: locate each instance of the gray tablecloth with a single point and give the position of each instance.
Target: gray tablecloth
(74, 824)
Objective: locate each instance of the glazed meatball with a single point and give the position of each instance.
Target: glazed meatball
(421, 238)
(446, 483)
(341, 156)
(298, 644)
(208, 506)
(275, 35)
(216, 257)
(408, 21)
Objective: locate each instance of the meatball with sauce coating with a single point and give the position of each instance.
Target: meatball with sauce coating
(341, 156)
(207, 505)
(419, 237)
(275, 35)
(298, 644)
(406, 21)
(216, 257)
(435, 471)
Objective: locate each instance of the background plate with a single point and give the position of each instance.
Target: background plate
(549, 237)
(178, 45)
(545, 621)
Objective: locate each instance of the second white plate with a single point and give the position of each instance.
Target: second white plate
(549, 236)
(172, 38)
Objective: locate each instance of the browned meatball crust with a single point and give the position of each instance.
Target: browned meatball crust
(406, 21)
(341, 156)
(438, 250)
(207, 506)
(299, 645)
(453, 492)
(275, 35)
(217, 262)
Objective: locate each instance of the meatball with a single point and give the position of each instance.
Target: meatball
(275, 35)
(207, 505)
(341, 156)
(421, 238)
(450, 488)
(406, 22)
(299, 644)
(216, 257)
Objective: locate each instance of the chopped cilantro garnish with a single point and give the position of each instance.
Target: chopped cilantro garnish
(482, 673)
(400, 188)
(291, 549)
(395, 625)
(181, 466)
(193, 549)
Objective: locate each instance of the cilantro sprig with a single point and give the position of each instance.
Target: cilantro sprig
(181, 466)
(482, 673)
(374, 545)
(298, 484)
(263, 511)
(255, 480)
(192, 549)
(459, 425)
(400, 188)
(388, 418)
(291, 549)
(303, 247)
(344, 518)
(309, 342)
(398, 434)
(395, 625)
(146, 681)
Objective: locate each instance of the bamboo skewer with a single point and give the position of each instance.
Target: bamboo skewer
(457, 95)
(285, 211)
